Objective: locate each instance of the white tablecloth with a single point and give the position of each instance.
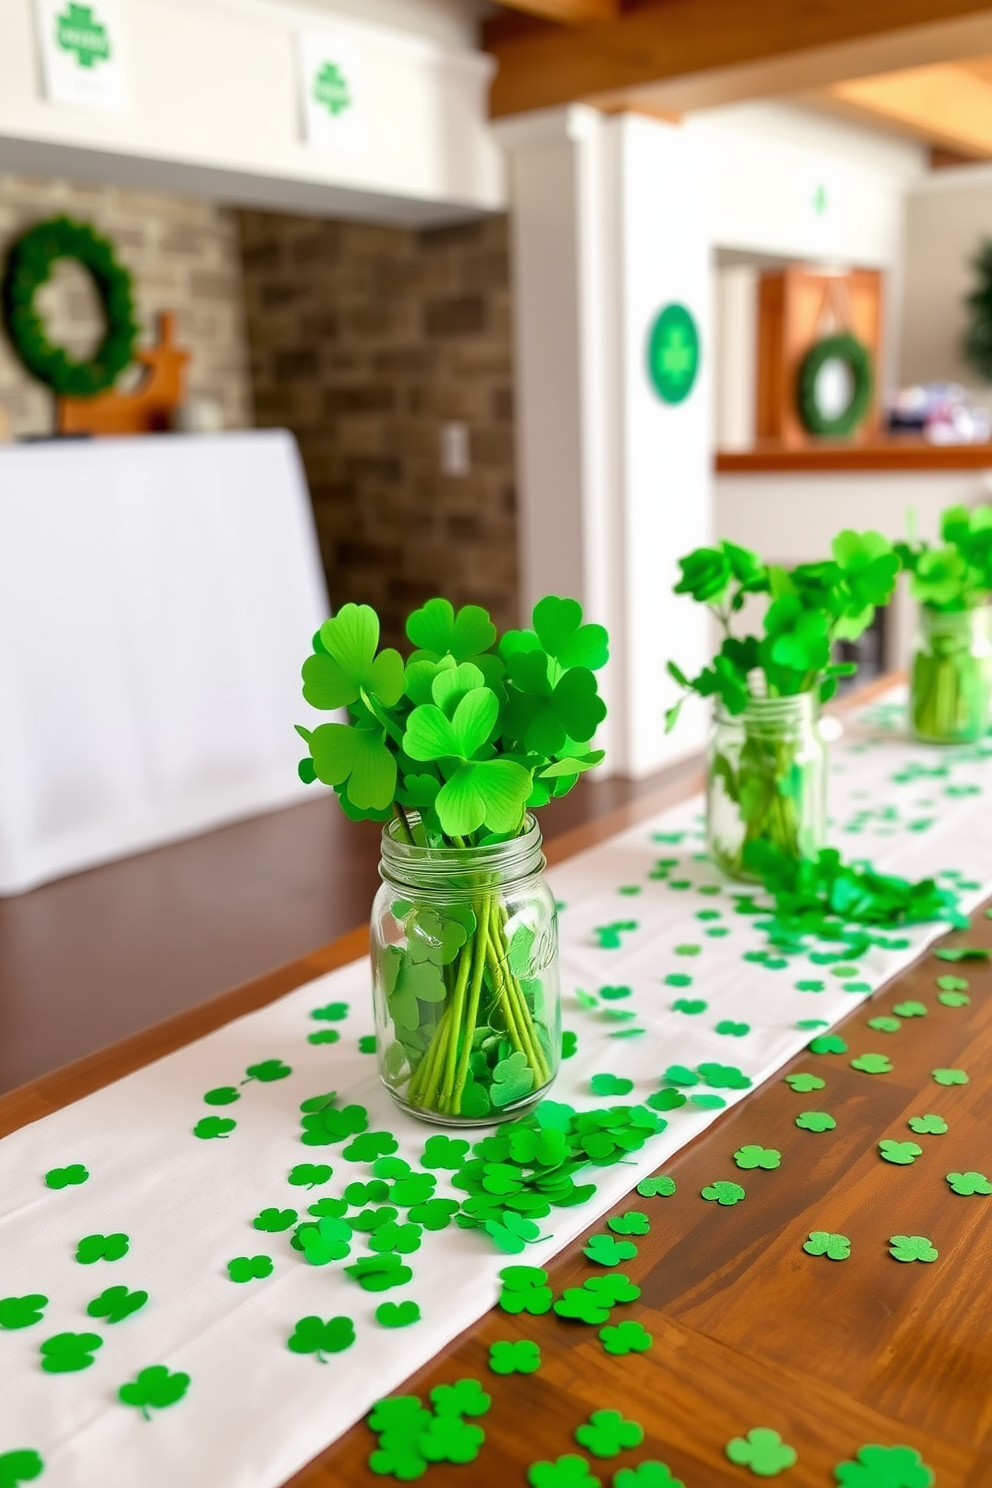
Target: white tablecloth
(157, 598)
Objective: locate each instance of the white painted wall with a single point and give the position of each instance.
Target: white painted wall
(947, 216)
(214, 108)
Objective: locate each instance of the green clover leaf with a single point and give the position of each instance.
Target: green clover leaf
(930, 1124)
(724, 1193)
(513, 1078)
(154, 1388)
(397, 1314)
(379, 1273)
(222, 1095)
(872, 1064)
(116, 1303)
(308, 1175)
(823, 1243)
(312, 1335)
(582, 1305)
(628, 1337)
(567, 1471)
(437, 631)
(885, 1024)
(550, 717)
(449, 1439)
(63, 1177)
(101, 1248)
(732, 1029)
(444, 1152)
(66, 1353)
(22, 1312)
(329, 1239)
(827, 1043)
(19, 1467)
(969, 1183)
(953, 999)
(273, 1220)
(404, 1239)
(607, 1434)
(558, 626)
(757, 1157)
(662, 1185)
(815, 1121)
(911, 1248)
(646, 1475)
(900, 1153)
(884, 1467)
(963, 953)
(266, 1071)
(370, 1146)
(763, 1451)
(433, 1214)
(346, 666)
(606, 1251)
(331, 1012)
(209, 1127)
(910, 1009)
(355, 757)
(249, 1268)
(519, 1357)
(465, 1397)
(631, 1223)
(949, 1076)
(610, 1085)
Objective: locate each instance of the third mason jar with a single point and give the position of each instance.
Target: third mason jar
(951, 675)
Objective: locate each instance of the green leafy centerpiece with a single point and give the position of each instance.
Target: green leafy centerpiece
(766, 765)
(951, 676)
(452, 749)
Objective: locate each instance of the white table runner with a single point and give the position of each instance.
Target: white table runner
(256, 1412)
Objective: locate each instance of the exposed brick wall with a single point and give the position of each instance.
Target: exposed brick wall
(364, 340)
(183, 254)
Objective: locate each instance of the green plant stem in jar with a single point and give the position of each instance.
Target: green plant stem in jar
(766, 782)
(464, 949)
(951, 675)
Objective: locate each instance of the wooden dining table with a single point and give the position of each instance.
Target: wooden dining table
(748, 1329)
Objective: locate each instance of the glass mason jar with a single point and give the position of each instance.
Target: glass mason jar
(951, 676)
(766, 781)
(464, 946)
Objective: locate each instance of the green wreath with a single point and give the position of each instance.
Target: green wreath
(28, 266)
(856, 356)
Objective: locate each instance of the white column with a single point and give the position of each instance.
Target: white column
(614, 482)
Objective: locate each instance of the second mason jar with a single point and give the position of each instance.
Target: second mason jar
(766, 781)
(466, 996)
(951, 675)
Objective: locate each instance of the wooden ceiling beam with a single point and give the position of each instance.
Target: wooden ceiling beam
(944, 104)
(701, 52)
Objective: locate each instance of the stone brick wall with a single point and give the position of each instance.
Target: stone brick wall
(364, 341)
(184, 256)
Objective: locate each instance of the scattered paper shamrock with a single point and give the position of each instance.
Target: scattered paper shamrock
(663, 1186)
(953, 983)
(884, 1024)
(267, 1071)
(312, 1335)
(433, 1214)
(369, 1146)
(525, 1289)
(608, 936)
(815, 1121)
(731, 1029)
(272, 1221)
(803, 1083)
(465, 1397)
(397, 1314)
(209, 1127)
(911, 1248)
(610, 1085)
(646, 1475)
(63, 1177)
(116, 1303)
(688, 1005)
(568, 1471)
(517, 1357)
(630, 1223)
(327, 1240)
(949, 1076)
(930, 1124)
(68, 1352)
(763, 1451)
(953, 999)
(324, 1036)
(962, 953)
(249, 1268)
(823, 1243)
(379, 1273)
(872, 1064)
(607, 1434)
(22, 1312)
(724, 1193)
(332, 1012)
(367, 1044)
(910, 1009)
(404, 1239)
(900, 1153)
(21, 1466)
(827, 1043)
(101, 1248)
(444, 1152)
(309, 1175)
(154, 1388)
(884, 1467)
(628, 1337)
(583, 1306)
(222, 1095)
(450, 1439)
(969, 1183)
(606, 1251)
(757, 1157)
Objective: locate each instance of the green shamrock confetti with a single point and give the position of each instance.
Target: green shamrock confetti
(953, 984)
(810, 986)
(610, 1085)
(267, 1071)
(680, 1074)
(332, 1012)
(930, 1124)
(518, 1357)
(312, 1335)
(404, 1239)
(338, 1208)
(309, 1175)
(815, 1121)
(953, 999)
(628, 1337)
(900, 1153)
(391, 1167)
(962, 953)
(969, 1183)
(209, 1127)
(397, 1314)
(724, 1076)
(708, 1102)
(872, 1064)
(68, 1352)
(22, 1312)
(327, 1240)
(63, 1177)
(449, 1439)
(272, 1221)
(525, 1289)
(911, 1248)
(949, 1076)
(367, 1044)
(646, 1475)
(116, 1303)
(379, 1273)
(324, 1036)
(154, 1388)
(757, 1157)
(662, 1185)
(803, 1083)
(608, 936)
(583, 1305)
(812, 1023)
(607, 1434)
(606, 1251)
(568, 1471)
(884, 1024)
(689, 1005)
(827, 1043)
(688, 950)
(101, 1248)
(569, 1043)
(680, 979)
(733, 1030)
(823, 1243)
(222, 1095)
(433, 1214)
(763, 1451)
(369, 1146)
(614, 994)
(884, 1467)
(249, 1268)
(631, 1223)
(910, 1009)
(723, 1193)
(20, 1467)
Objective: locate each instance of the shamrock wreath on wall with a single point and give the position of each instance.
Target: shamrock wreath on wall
(845, 361)
(28, 266)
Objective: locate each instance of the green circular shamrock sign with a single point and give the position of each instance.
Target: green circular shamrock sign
(673, 353)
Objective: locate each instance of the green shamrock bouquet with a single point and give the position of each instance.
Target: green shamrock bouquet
(452, 749)
(951, 675)
(766, 779)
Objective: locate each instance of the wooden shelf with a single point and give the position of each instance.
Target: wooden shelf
(882, 455)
